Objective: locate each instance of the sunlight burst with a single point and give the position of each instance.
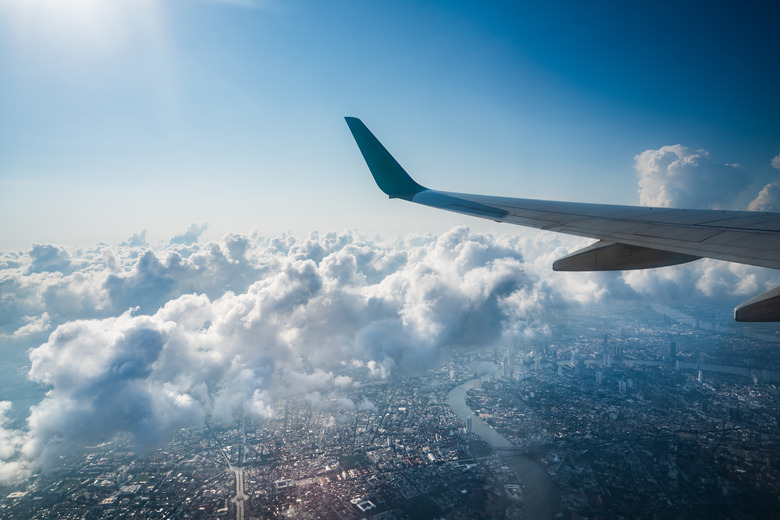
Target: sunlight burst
(101, 23)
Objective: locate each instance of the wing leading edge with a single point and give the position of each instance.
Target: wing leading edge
(630, 237)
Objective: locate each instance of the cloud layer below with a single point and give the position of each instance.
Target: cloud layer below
(142, 341)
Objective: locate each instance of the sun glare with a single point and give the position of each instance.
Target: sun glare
(102, 23)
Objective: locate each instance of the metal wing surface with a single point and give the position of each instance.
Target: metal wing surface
(630, 237)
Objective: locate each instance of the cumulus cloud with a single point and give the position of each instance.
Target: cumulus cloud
(136, 240)
(190, 236)
(676, 176)
(13, 465)
(49, 258)
(103, 384)
(106, 281)
(36, 324)
(768, 199)
(146, 341)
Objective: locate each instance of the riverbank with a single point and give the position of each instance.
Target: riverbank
(540, 498)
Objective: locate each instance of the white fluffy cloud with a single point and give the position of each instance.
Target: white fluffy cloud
(49, 258)
(768, 199)
(13, 464)
(676, 176)
(145, 341)
(190, 236)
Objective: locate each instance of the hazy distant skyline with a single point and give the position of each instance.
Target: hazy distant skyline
(123, 116)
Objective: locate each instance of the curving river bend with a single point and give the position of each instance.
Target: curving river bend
(540, 498)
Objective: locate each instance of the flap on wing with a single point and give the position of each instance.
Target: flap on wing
(609, 256)
(764, 307)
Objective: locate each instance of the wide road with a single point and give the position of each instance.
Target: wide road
(240, 496)
(539, 496)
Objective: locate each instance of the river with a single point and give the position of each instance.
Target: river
(539, 495)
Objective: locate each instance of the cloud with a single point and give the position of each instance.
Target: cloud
(36, 324)
(148, 286)
(190, 236)
(768, 199)
(676, 176)
(136, 342)
(484, 368)
(136, 240)
(105, 281)
(146, 341)
(49, 258)
(367, 404)
(13, 465)
(102, 384)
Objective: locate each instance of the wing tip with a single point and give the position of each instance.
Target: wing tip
(388, 174)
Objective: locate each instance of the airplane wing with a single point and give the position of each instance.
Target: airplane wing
(629, 237)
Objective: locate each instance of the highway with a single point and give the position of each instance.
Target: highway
(240, 496)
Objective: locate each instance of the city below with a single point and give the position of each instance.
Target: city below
(654, 419)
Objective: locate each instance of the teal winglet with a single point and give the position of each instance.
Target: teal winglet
(388, 174)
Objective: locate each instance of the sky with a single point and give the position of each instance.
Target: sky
(126, 115)
(189, 230)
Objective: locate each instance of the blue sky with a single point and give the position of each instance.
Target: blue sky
(120, 115)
